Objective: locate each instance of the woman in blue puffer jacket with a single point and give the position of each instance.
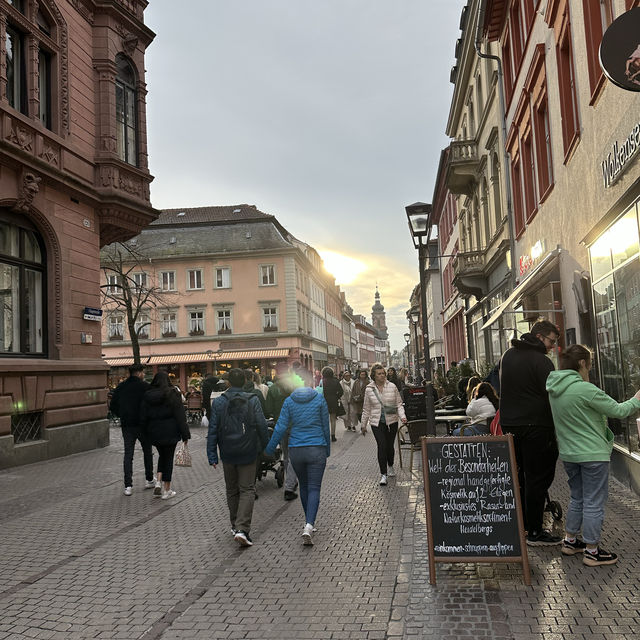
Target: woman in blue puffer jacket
(306, 414)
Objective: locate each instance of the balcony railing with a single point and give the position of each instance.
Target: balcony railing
(469, 263)
(463, 165)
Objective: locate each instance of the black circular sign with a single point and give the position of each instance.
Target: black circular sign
(620, 51)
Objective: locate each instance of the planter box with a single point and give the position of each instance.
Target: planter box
(224, 332)
(115, 336)
(270, 328)
(169, 334)
(199, 332)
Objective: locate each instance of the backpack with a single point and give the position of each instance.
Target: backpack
(237, 434)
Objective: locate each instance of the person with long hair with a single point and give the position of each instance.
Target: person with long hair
(305, 416)
(585, 443)
(163, 419)
(482, 408)
(357, 394)
(382, 407)
(472, 383)
(331, 390)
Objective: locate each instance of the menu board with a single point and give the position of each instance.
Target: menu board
(415, 403)
(473, 500)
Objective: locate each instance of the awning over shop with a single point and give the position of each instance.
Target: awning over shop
(174, 358)
(523, 287)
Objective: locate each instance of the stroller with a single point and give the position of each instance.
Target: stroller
(273, 463)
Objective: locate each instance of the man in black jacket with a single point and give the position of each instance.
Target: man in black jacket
(209, 385)
(525, 412)
(126, 405)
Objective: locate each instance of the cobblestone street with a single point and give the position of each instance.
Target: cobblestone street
(81, 560)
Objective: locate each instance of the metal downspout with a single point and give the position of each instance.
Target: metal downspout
(503, 126)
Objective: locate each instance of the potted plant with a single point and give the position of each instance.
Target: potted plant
(196, 332)
(115, 336)
(169, 334)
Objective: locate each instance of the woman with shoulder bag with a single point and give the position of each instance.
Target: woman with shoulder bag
(382, 407)
(163, 419)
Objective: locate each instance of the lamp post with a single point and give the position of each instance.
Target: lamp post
(414, 314)
(419, 218)
(407, 338)
(214, 355)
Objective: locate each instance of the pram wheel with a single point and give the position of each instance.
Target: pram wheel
(280, 476)
(555, 509)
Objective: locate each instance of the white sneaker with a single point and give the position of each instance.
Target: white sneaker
(307, 535)
(168, 494)
(150, 484)
(383, 480)
(391, 472)
(128, 491)
(157, 490)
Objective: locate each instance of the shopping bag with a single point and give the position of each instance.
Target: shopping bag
(183, 455)
(204, 422)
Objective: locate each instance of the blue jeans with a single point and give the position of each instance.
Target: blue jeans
(589, 486)
(309, 464)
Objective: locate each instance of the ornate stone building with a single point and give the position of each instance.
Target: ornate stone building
(73, 177)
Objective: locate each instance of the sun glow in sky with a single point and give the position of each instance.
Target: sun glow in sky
(343, 268)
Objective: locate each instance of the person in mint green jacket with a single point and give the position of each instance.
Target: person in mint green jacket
(580, 411)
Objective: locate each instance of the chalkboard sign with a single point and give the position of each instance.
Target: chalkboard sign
(473, 501)
(415, 403)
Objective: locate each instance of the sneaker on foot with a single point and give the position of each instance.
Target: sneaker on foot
(599, 557)
(157, 490)
(383, 480)
(571, 548)
(128, 491)
(290, 495)
(542, 539)
(234, 531)
(243, 539)
(391, 472)
(166, 495)
(334, 439)
(150, 484)
(307, 535)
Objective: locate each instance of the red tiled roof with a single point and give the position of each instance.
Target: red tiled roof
(196, 215)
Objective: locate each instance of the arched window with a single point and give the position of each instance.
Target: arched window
(126, 107)
(22, 288)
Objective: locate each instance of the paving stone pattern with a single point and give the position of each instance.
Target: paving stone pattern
(81, 560)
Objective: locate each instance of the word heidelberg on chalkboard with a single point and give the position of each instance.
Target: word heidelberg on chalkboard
(473, 501)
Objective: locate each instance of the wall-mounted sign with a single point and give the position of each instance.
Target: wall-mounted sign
(620, 156)
(92, 314)
(620, 51)
(528, 260)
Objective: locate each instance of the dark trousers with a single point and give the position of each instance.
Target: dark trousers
(536, 457)
(385, 436)
(165, 460)
(129, 436)
(240, 482)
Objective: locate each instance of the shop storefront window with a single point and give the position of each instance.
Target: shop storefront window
(615, 263)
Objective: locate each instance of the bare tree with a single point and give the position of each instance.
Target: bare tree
(121, 263)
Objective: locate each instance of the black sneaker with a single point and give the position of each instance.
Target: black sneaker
(542, 539)
(334, 439)
(290, 495)
(599, 557)
(571, 548)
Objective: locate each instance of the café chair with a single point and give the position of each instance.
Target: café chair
(409, 435)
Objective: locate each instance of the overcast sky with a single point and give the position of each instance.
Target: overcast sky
(328, 114)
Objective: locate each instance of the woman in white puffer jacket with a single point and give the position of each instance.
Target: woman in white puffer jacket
(483, 406)
(382, 408)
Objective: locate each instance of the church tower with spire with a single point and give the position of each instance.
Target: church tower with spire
(379, 318)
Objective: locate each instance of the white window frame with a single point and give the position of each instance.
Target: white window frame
(196, 324)
(144, 318)
(114, 286)
(262, 273)
(171, 277)
(222, 271)
(169, 325)
(115, 319)
(225, 322)
(140, 280)
(267, 326)
(201, 277)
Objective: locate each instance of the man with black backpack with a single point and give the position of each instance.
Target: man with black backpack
(238, 428)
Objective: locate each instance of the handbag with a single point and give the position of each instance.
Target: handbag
(183, 455)
(204, 421)
(341, 410)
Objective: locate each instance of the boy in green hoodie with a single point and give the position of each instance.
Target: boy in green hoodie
(580, 411)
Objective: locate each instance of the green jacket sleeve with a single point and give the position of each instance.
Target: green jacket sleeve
(605, 404)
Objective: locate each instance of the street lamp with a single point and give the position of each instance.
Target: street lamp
(414, 314)
(214, 355)
(419, 218)
(407, 338)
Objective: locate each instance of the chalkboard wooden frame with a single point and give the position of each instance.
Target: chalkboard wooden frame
(523, 558)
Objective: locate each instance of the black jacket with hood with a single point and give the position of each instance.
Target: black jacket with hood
(524, 369)
(162, 416)
(126, 401)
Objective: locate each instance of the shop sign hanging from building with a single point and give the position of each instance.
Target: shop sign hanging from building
(620, 51)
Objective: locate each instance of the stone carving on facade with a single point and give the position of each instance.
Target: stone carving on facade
(50, 155)
(28, 191)
(109, 143)
(129, 40)
(107, 177)
(130, 185)
(82, 9)
(21, 137)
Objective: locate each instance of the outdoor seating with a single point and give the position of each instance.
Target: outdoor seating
(409, 435)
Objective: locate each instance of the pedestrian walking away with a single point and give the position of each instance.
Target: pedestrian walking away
(382, 408)
(526, 414)
(125, 404)
(357, 394)
(278, 392)
(306, 416)
(585, 443)
(350, 416)
(238, 429)
(163, 419)
(331, 391)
